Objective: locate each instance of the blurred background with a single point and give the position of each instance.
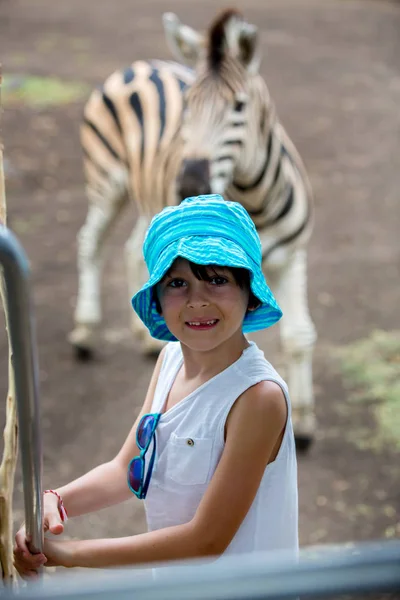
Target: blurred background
(333, 69)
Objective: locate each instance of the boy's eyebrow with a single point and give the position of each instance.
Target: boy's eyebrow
(168, 274)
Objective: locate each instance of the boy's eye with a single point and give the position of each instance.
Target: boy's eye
(176, 283)
(218, 280)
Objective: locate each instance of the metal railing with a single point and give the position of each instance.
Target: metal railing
(16, 274)
(360, 570)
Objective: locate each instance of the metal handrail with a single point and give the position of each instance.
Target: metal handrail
(319, 573)
(16, 274)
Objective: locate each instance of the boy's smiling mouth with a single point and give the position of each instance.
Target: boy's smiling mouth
(202, 324)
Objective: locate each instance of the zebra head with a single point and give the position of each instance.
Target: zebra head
(219, 122)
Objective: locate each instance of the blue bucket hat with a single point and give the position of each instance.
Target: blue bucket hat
(205, 230)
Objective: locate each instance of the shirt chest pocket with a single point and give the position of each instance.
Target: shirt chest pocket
(188, 459)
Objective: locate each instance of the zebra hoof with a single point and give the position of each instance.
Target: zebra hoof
(152, 347)
(83, 354)
(304, 426)
(303, 442)
(147, 345)
(152, 353)
(82, 340)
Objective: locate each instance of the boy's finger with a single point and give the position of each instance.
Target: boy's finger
(53, 523)
(36, 559)
(21, 542)
(56, 527)
(23, 568)
(29, 561)
(29, 574)
(20, 551)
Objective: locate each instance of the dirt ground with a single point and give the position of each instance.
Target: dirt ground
(333, 69)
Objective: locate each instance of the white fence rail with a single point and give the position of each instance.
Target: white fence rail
(321, 573)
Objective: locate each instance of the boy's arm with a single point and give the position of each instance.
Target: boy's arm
(101, 487)
(254, 430)
(106, 484)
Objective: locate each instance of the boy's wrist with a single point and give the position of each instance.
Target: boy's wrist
(59, 503)
(76, 554)
(72, 555)
(50, 499)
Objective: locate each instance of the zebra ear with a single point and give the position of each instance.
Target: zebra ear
(184, 42)
(248, 46)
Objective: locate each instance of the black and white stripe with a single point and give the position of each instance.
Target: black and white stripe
(130, 130)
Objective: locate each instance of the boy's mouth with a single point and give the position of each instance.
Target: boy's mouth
(202, 325)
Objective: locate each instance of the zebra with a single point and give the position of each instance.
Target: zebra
(160, 131)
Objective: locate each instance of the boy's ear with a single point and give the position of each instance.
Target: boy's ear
(251, 308)
(254, 303)
(184, 42)
(157, 301)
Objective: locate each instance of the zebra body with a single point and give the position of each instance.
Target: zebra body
(160, 131)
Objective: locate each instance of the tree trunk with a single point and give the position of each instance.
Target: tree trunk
(7, 467)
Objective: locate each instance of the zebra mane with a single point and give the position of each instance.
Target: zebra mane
(217, 39)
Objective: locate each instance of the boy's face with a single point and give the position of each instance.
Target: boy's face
(202, 314)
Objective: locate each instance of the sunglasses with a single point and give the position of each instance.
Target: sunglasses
(137, 482)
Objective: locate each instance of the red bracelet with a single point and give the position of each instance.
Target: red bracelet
(61, 507)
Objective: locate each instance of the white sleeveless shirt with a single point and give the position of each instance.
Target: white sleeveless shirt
(189, 444)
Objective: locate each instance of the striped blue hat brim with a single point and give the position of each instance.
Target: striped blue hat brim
(206, 230)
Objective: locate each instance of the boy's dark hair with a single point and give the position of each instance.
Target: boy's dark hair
(202, 273)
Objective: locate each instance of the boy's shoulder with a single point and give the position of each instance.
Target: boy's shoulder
(263, 401)
(256, 366)
(172, 349)
(172, 354)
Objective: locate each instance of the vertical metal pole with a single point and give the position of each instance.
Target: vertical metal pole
(24, 356)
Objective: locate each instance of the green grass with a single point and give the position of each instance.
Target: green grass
(35, 91)
(371, 371)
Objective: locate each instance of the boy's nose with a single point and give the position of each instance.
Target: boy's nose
(197, 302)
(196, 297)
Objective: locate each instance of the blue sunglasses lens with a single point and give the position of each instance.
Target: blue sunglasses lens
(136, 468)
(144, 432)
(135, 473)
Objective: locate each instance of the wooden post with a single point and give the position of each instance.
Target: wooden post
(7, 467)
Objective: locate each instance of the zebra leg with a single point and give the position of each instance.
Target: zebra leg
(137, 276)
(298, 338)
(91, 237)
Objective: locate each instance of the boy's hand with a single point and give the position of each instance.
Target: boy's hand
(25, 562)
(52, 521)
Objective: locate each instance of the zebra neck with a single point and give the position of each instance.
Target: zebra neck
(256, 180)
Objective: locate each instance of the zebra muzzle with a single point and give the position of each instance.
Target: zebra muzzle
(194, 179)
